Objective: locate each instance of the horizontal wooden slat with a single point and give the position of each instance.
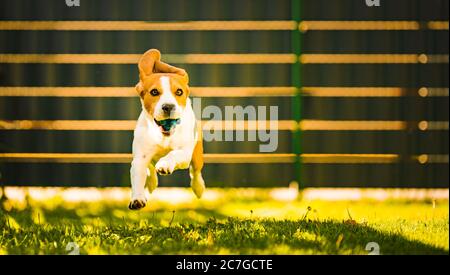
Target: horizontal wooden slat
(220, 25)
(433, 92)
(350, 158)
(120, 125)
(372, 92)
(134, 58)
(24, 91)
(438, 25)
(241, 91)
(128, 125)
(350, 125)
(131, 92)
(250, 158)
(148, 26)
(353, 91)
(284, 58)
(67, 157)
(372, 58)
(247, 125)
(433, 125)
(371, 25)
(223, 158)
(113, 125)
(425, 158)
(282, 125)
(126, 158)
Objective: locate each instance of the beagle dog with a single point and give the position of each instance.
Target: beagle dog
(167, 136)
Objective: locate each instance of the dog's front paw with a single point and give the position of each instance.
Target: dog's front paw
(136, 204)
(165, 166)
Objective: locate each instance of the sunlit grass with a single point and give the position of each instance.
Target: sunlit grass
(228, 224)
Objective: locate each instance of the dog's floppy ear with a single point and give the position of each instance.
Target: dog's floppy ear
(161, 67)
(147, 63)
(150, 62)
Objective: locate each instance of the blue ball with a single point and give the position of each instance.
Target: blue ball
(168, 124)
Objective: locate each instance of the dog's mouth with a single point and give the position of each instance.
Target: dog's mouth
(167, 126)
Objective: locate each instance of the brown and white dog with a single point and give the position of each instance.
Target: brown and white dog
(167, 136)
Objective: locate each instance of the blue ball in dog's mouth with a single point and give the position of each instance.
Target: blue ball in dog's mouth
(167, 124)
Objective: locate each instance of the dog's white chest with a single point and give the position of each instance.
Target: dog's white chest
(150, 140)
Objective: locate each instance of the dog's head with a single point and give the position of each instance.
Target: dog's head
(163, 90)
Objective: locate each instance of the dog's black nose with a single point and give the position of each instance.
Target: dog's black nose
(167, 108)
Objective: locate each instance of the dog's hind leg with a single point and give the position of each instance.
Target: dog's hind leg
(195, 170)
(152, 179)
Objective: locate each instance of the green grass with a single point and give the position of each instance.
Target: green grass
(229, 225)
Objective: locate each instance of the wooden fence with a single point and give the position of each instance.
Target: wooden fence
(362, 92)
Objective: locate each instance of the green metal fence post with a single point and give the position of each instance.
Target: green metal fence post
(296, 82)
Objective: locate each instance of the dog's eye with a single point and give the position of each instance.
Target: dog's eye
(179, 92)
(154, 92)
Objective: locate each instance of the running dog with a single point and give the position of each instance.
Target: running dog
(167, 136)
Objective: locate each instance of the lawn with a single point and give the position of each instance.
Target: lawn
(227, 224)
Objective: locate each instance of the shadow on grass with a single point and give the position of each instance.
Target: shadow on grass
(113, 230)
